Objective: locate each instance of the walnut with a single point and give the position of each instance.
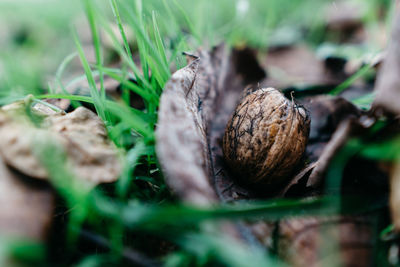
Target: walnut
(265, 138)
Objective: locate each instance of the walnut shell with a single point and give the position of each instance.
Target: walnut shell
(265, 138)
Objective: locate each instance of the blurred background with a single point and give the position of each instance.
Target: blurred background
(316, 46)
(36, 35)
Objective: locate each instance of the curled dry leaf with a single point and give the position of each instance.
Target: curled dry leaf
(195, 108)
(26, 206)
(181, 126)
(81, 133)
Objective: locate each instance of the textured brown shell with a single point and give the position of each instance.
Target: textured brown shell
(265, 138)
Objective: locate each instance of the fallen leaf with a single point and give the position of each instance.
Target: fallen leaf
(85, 139)
(345, 20)
(387, 87)
(387, 91)
(81, 133)
(327, 113)
(296, 66)
(181, 127)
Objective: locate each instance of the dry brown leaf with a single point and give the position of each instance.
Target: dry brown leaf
(16, 139)
(81, 133)
(343, 14)
(84, 137)
(387, 91)
(181, 126)
(194, 110)
(286, 67)
(388, 81)
(26, 206)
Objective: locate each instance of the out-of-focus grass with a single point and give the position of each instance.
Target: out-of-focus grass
(35, 36)
(162, 29)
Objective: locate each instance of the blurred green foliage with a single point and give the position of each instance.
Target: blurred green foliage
(36, 38)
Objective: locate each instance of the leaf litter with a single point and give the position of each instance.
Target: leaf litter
(28, 201)
(194, 109)
(195, 106)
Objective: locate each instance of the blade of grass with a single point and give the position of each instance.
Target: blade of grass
(159, 42)
(189, 23)
(98, 103)
(142, 46)
(117, 18)
(132, 86)
(138, 216)
(59, 74)
(137, 120)
(143, 38)
(347, 83)
(90, 14)
(131, 160)
(61, 69)
(171, 18)
(76, 192)
(365, 101)
(128, 59)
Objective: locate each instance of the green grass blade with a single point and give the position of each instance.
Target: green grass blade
(117, 18)
(347, 83)
(364, 101)
(189, 23)
(90, 13)
(89, 75)
(130, 85)
(128, 59)
(61, 69)
(137, 120)
(143, 38)
(131, 162)
(159, 42)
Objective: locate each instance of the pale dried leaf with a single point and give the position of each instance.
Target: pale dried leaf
(84, 137)
(181, 139)
(16, 144)
(81, 133)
